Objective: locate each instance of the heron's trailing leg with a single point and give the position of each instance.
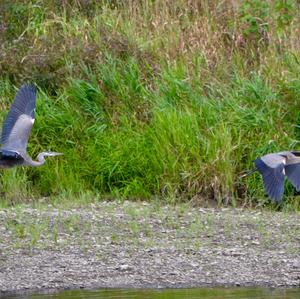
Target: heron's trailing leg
(247, 172)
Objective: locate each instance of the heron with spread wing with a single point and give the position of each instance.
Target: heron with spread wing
(274, 167)
(16, 130)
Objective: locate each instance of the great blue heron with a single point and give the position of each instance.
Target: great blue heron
(274, 167)
(16, 130)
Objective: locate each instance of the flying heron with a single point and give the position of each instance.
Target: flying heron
(274, 167)
(16, 130)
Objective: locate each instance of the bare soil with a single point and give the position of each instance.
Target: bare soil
(145, 245)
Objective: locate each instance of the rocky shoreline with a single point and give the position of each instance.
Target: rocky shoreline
(144, 245)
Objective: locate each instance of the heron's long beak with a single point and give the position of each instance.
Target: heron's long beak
(58, 154)
(54, 154)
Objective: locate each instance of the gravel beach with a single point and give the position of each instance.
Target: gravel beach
(138, 244)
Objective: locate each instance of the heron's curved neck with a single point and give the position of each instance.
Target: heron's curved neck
(40, 160)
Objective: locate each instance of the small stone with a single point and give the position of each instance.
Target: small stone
(124, 268)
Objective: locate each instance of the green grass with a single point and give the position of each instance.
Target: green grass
(131, 224)
(163, 99)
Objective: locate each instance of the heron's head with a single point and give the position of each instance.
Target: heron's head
(41, 157)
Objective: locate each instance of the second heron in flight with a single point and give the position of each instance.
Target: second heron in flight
(274, 167)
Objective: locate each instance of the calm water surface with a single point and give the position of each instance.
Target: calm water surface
(206, 293)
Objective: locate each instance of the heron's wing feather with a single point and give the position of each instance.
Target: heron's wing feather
(273, 178)
(19, 134)
(18, 123)
(293, 173)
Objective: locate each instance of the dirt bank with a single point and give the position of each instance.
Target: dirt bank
(146, 245)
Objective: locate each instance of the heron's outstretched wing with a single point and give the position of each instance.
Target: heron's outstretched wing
(292, 171)
(273, 175)
(20, 118)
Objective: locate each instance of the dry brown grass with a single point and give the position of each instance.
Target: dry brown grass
(50, 44)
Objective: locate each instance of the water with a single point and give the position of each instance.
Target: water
(203, 293)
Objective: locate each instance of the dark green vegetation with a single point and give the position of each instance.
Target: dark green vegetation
(148, 99)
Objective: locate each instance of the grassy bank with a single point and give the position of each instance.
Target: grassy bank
(151, 99)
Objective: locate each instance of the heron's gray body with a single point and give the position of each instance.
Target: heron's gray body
(10, 158)
(274, 167)
(16, 130)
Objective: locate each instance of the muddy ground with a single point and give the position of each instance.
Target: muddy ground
(146, 245)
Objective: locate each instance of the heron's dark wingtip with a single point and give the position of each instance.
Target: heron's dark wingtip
(273, 187)
(273, 178)
(277, 197)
